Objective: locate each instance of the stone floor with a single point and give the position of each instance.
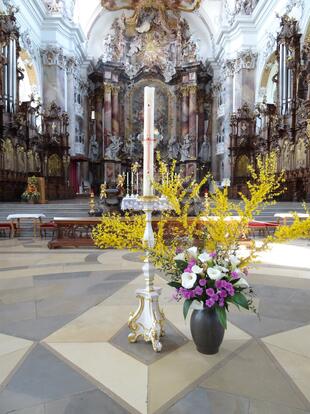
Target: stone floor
(64, 348)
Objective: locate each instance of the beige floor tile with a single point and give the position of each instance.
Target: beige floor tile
(98, 324)
(123, 375)
(296, 340)
(297, 367)
(63, 258)
(253, 374)
(287, 255)
(10, 344)
(178, 370)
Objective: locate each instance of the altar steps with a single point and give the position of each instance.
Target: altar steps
(80, 207)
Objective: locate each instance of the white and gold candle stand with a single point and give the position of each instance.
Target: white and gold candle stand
(148, 320)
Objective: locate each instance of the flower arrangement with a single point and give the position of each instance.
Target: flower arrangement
(31, 193)
(208, 267)
(213, 279)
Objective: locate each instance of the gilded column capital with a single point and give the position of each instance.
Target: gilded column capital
(115, 89)
(184, 90)
(107, 88)
(192, 89)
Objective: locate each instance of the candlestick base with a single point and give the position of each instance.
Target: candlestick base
(148, 320)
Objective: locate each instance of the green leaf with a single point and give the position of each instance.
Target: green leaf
(186, 306)
(221, 314)
(176, 285)
(240, 299)
(181, 264)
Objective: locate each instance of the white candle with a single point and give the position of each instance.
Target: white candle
(132, 183)
(128, 183)
(137, 183)
(148, 141)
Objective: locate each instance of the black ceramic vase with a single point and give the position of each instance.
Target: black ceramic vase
(207, 332)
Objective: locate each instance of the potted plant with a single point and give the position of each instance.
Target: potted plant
(31, 194)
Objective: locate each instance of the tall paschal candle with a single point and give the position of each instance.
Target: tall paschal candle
(148, 141)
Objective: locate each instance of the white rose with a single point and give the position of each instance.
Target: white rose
(221, 268)
(193, 251)
(197, 269)
(242, 283)
(188, 280)
(204, 257)
(180, 256)
(214, 274)
(234, 260)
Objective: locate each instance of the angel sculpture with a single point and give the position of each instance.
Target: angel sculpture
(139, 6)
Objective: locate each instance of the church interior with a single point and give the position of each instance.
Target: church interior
(231, 83)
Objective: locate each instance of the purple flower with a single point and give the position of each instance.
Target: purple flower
(228, 285)
(198, 291)
(231, 292)
(219, 284)
(221, 303)
(210, 302)
(235, 275)
(210, 292)
(190, 264)
(223, 294)
(213, 254)
(178, 250)
(202, 282)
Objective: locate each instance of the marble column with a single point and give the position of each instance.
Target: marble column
(98, 129)
(54, 76)
(185, 111)
(71, 68)
(192, 119)
(115, 111)
(107, 114)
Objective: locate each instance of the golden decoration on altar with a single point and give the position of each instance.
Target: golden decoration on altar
(139, 7)
(103, 191)
(135, 167)
(120, 181)
(92, 203)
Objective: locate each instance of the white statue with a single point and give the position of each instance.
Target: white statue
(93, 148)
(173, 148)
(185, 148)
(113, 149)
(204, 153)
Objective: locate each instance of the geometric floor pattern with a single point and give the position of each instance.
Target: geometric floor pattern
(64, 347)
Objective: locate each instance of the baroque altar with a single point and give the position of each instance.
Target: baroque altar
(152, 47)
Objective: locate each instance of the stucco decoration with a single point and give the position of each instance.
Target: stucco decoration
(153, 44)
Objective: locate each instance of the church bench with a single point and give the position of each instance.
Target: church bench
(11, 227)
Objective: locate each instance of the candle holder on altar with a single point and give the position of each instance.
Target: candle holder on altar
(148, 320)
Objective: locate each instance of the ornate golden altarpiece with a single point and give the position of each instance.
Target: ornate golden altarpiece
(153, 47)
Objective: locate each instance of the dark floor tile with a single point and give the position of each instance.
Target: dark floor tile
(264, 407)
(263, 326)
(42, 377)
(91, 402)
(210, 402)
(18, 311)
(35, 329)
(133, 257)
(93, 257)
(143, 351)
(123, 276)
(61, 276)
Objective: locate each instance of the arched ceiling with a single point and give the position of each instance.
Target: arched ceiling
(96, 22)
